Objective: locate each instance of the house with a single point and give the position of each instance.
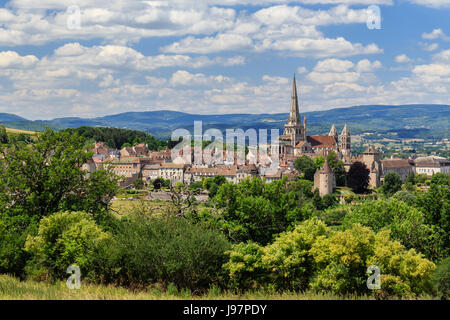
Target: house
(171, 171)
(403, 167)
(431, 165)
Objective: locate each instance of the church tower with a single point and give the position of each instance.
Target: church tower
(345, 142)
(294, 127)
(334, 133)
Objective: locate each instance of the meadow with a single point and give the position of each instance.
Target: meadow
(13, 289)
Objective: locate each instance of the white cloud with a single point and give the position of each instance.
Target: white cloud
(11, 59)
(335, 65)
(367, 66)
(436, 34)
(429, 47)
(183, 78)
(402, 58)
(432, 3)
(219, 43)
(301, 70)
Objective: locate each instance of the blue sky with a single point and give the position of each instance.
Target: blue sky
(219, 56)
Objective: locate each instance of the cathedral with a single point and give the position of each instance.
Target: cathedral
(295, 142)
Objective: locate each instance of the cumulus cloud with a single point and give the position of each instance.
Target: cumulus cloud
(11, 59)
(402, 58)
(436, 34)
(432, 3)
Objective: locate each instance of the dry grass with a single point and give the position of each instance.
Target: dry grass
(13, 289)
(124, 207)
(9, 130)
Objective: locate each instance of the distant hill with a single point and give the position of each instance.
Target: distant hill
(433, 120)
(8, 117)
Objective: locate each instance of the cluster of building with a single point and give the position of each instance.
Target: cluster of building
(138, 162)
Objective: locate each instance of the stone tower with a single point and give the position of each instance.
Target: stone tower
(294, 127)
(345, 143)
(371, 158)
(324, 180)
(334, 133)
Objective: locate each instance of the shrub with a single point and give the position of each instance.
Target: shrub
(64, 239)
(289, 259)
(334, 216)
(406, 197)
(391, 184)
(149, 249)
(13, 234)
(244, 267)
(286, 264)
(407, 224)
(441, 279)
(343, 259)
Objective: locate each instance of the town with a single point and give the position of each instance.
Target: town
(139, 163)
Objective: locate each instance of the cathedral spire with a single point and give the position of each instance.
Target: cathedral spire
(333, 131)
(294, 114)
(345, 131)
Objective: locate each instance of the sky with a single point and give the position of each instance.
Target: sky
(88, 58)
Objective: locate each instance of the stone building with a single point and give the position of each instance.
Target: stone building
(171, 171)
(402, 167)
(431, 165)
(324, 180)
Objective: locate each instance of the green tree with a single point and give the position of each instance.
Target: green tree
(391, 184)
(43, 178)
(3, 135)
(138, 184)
(317, 200)
(338, 168)
(147, 249)
(407, 224)
(319, 161)
(47, 177)
(440, 179)
(343, 257)
(441, 279)
(255, 211)
(64, 239)
(410, 178)
(306, 165)
(358, 177)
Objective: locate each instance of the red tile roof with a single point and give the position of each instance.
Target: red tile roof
(322, 141)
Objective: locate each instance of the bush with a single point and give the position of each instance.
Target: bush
(441, 279)
(244, 267)
(407, 224)
(343, 259)
(288, 258)
(64, 239)
(13, 234)
(333, 216)
(286, 264)
(406, 197)
(148, 249)
(391, 184)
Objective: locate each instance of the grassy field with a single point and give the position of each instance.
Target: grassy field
(9, 130)
(124, 207)
(14, 289)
